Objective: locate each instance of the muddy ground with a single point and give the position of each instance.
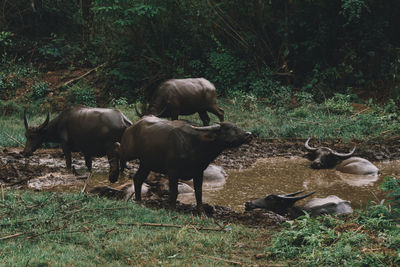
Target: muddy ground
(17, 172)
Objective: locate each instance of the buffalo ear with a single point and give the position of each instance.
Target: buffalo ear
(208, 136)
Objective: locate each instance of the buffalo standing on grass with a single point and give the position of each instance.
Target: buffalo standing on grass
(184, 97)
(177, 149)
(92, 131)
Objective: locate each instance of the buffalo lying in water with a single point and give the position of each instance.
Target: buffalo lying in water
(284, 205)
(184, 97)
(326, 158)
(177, 149)
(92, 131)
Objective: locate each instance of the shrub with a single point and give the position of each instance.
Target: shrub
(40, 90)
(339, 104)
(83, 95)
(10, 107)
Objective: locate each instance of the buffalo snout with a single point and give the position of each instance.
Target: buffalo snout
(317, 165)
(249, 205)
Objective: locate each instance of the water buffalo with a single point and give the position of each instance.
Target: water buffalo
(92, 131)
(280, 204)
(325, 158)
(184, 97)
(177, 149)
(284, 205)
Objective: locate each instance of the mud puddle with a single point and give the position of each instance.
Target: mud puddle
(279, 175)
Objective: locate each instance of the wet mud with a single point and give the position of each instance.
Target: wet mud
(49, 164)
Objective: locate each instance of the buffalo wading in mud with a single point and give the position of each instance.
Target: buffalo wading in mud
(177, 149)
(184, 97)
(325, 158)
(92, 131)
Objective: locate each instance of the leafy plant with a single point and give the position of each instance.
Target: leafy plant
(39, 90)
(339, 104)
(82, 94)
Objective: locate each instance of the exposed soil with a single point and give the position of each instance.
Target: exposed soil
(16, 171)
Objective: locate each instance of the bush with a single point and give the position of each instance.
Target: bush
(9, 107)
(83, 95)
(339, 104)
(40, 90)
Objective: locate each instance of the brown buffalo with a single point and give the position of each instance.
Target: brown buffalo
(92, 131)
(325, 158)
(177, 149)
(184, 97)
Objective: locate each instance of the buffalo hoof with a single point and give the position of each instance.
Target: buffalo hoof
(113, 176)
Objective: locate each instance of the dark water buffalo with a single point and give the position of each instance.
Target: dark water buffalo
(280, 204)
(184, 97)
(284, 205)
(177, 149)
(325, 158)
(92, 131)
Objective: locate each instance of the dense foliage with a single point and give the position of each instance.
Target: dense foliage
(259, 47)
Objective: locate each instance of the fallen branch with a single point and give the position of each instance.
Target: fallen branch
(12, 138)
(174, 226)
(11, 236)
(80, 77)
(86, 182)
(221, 259)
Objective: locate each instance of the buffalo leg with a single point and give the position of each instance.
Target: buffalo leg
(173, 191)
(204, 117)
(138, 180)
(88, 162)
(122, 165)
(219, 112)
(113, 160)
(67, 153)
(174, 115)
(198, 192)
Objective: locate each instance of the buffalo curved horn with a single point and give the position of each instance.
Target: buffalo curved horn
(25, 120)
(344, 155)
(44, 124)
(206, 128)
(137, 112)
(293, 196)
(308, 146)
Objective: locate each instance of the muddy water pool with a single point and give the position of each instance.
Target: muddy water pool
(279, 175)
(275, 175)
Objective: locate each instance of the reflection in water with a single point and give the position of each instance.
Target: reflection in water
(286, 175)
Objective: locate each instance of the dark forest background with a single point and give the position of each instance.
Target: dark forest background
(266, 48)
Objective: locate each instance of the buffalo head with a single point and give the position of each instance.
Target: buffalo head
(280, 204)
(225, 133)
(34, 135)
(324, 157)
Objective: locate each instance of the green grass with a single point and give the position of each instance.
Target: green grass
(368, 238)
(329, 120)
(81, 230)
